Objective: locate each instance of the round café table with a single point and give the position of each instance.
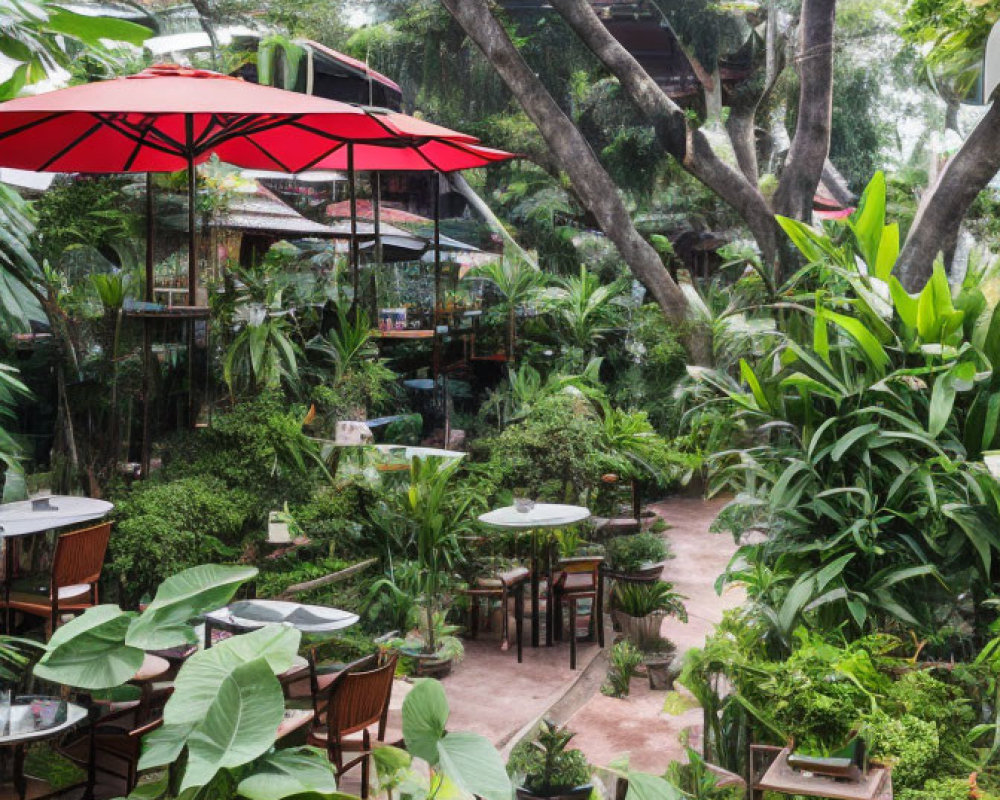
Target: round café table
(27, 517)
(27, 728)
(541, 516)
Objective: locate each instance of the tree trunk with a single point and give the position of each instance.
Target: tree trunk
(740, 124)
(811, 143)
(943, 207)
(689, 146)
(590, 180)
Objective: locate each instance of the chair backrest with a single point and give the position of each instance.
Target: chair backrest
(359, 696)
(580, 568)
(79, 556)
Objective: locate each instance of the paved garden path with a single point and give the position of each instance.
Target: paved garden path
(490, 693)
(637, 725)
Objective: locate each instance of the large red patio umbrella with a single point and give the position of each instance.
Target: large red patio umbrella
(169, 118)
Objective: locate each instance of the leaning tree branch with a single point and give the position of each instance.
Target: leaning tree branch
(936, 225)
(689, 146)
(811, 142)
(573, 153)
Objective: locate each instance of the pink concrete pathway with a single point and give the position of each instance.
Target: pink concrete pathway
(606, 728)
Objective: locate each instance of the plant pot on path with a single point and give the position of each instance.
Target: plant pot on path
(572, 793)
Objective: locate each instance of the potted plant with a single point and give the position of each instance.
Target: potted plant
(642, 607)
(635, 558)
(544, 767)
(430, 525)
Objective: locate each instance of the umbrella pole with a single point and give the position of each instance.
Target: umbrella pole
(192, 257)
(437, 274)
(147, 346)
(353, 195)
(377, 229)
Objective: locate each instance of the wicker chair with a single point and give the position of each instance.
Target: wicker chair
(357, 699)
(76, 569)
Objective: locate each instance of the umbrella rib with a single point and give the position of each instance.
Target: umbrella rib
(337, 146)
(252, 127)
(85, 135)
(136, 135)
(29, 125)
(267, 154)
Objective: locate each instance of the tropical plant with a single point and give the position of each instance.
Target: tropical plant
(424, 521)
(228, 703)
(585, 310)
(11, 390)
(518, 282)
(263, 354)
(39, 38)
(868, 409)
(458, 763)
(642, 599)
(623, 665)
(544, 765)
(628, 554)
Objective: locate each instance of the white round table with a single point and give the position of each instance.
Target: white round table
(26, 517)
(542, 515)
(248, 615)
(27, 733)
(22, 518)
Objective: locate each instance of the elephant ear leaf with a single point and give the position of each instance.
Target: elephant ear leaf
(89, 652)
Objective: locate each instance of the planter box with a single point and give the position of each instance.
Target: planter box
(642, 631)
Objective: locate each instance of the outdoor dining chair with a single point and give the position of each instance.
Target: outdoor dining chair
(76, 569)
(357, 699)
(579, 579)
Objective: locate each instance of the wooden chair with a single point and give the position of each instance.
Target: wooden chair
(76, 569)
(357, 699)
(578, 579)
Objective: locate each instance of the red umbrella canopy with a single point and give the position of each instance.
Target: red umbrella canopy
(163, 117)
(443, 155)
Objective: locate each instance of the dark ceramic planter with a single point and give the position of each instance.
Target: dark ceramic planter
(574, 793)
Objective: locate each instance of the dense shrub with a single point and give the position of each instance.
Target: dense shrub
(258, 447)
(910, 744)
(164, 527)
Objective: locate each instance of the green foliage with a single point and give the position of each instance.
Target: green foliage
(623, 665)
(947, 789)
(910, 744)
(466, 760)
(698, 781)
(544, 765)
(629, 554)
(875, 405)
(642, 599)
(165, 527)
(41, 38)
(258, 447)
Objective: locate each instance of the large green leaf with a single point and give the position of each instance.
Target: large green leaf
(812, 244)
(844, 442)
(474, 764)
(642, 786)
(425, 715)
(943, 395)
(290, 772)
(89, 652)
(868, 221)
(180, 598)
(164, 745)
(888, 252)
(91, 30)
(905, 303)
(239, 726)
(202, 675)
(872, 347)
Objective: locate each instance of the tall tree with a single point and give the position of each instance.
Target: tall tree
(678, 134)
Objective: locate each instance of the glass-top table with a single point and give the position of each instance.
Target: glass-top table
(33, 718)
